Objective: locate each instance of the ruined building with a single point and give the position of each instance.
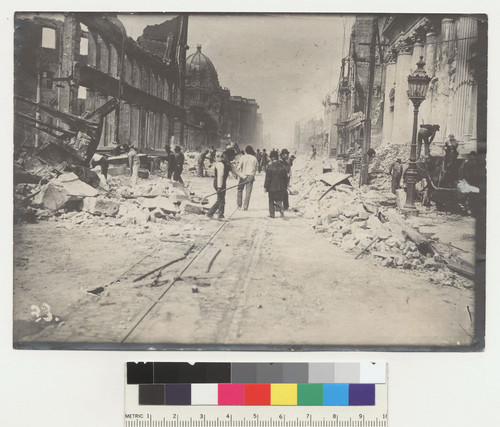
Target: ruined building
(214, 116)
(76, 62)
(353, 90)
(310, 132)
(454, 49)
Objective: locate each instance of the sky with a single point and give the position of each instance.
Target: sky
(287, 63)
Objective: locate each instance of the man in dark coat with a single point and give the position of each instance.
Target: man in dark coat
(170, 161)
(396, 171)
(179, 164)
(275, 184)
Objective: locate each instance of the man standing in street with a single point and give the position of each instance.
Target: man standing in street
(133, 163)
(222, 168)
(179, 164)
(275, 184)
(248, 167)
(426, 135)
(285, 159)
(201, 163)
(396, 171)
(170, 161)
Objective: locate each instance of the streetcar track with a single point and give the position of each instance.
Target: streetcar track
(176, 279)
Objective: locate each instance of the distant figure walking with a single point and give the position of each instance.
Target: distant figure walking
(179, 164)
(313, 155)
(396, 171)
(275, 184)
(264, 160)
(248, 167)
(259, 157)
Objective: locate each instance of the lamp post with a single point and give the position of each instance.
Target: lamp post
(418, 83)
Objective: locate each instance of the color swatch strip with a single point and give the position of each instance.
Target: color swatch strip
(255, 373)
(272, 394)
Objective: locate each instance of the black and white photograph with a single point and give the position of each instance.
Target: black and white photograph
(249, 181)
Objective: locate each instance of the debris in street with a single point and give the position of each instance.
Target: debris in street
(212, 260)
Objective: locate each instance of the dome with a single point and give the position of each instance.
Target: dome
(201, 72)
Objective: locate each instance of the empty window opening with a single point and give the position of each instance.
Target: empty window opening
(48, 38)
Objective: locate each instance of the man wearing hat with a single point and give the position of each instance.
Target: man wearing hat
(275, 183)
(450, 163)
(396, 171)
(426, 135)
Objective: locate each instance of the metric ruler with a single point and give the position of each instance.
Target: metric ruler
(163, 394)
(258, 417)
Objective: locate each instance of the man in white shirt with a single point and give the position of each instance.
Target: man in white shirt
(134, 164)
(248, 168)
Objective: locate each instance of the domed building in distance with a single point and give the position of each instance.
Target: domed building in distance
(214, 117)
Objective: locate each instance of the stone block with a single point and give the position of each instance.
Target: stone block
(74, 187)
(363, 215)
(373, 223)
(118, 170)
(177, 197)
(159, 202)
(431, 264)
(55, 197)
(100, 206)
(192, 208)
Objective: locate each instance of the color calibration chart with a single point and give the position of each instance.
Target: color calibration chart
(171, 394)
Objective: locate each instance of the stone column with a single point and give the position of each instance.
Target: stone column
(401, 131)
(92, 49)
(390, 81)
(114, 117)
(68, 95)
(426, 109)
(447, 74)
(135, 124)
(463, 116)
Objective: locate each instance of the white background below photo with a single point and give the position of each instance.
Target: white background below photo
(86, 388)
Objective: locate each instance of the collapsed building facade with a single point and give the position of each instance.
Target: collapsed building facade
(310, 133)
(454, 49)
(77, 64)
(214, 116)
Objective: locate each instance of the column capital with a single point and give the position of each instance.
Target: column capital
(404, 47)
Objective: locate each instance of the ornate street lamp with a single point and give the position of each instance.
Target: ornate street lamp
(418, 83)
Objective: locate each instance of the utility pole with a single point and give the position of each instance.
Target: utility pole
(363, 176)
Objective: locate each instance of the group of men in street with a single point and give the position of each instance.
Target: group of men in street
(277, 179)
